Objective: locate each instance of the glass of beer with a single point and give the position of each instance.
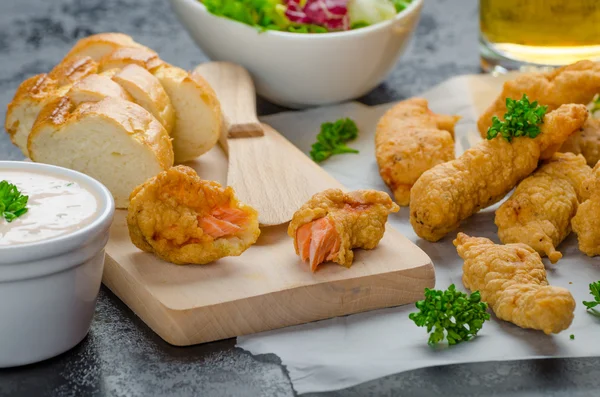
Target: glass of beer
(521, 34)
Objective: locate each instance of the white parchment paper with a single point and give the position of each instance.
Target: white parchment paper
(342, 352)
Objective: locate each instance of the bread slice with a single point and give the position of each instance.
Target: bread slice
(35, 92)
(197, 110)
(114, 141)
(146, 91)
(98, 45)
(95, 88)
(132, 83)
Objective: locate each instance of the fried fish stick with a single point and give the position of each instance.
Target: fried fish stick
(585, 142)
(409, 140)
(451, 192)
(576, 83)
(332, 223)
(540, 210)
(183, 219)
(586, 222)
(512, 280)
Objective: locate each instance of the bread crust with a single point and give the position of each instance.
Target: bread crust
(98, 45)
(37, 91)
(121, 57)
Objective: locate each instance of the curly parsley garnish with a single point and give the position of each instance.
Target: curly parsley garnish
(13, 204)
(450, 314)
(522, 118)
(595, 292)
(332, 139)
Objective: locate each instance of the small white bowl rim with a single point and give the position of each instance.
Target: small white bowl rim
(101, 191)
(414, 4)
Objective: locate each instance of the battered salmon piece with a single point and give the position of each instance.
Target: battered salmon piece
(577, 83)
(586, 222)
(332, 223)
(451, 192)
(183, 219)
(409, 140)
(585, 142)
(540, 210)
(512, 280)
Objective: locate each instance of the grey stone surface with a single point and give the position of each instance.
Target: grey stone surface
(123, 357)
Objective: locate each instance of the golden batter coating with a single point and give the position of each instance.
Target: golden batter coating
(576, 83)
(540, 210)
(585, 142)
(183, 219)
(512, 280)
(409, 140)
(332, 223)
(451, 192)
(586, 222)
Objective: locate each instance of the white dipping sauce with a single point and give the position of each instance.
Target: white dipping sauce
(56, 207)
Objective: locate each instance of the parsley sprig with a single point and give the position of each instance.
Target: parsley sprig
(522, 118)
(450, 314)
(13, 204)
(332, 139)
(595, 292)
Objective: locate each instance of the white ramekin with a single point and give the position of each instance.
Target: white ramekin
(48, 289)
(300, 70)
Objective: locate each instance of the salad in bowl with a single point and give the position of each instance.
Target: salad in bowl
(303, 53)
(307, 16)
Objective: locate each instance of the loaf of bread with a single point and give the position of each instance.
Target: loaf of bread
(114, 141)
(114, 110)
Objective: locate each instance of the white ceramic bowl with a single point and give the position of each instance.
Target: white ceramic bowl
(48, 289)
(300, 70)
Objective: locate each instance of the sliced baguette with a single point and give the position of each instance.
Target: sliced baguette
(35, 92)
(197, 110)
(114, 141)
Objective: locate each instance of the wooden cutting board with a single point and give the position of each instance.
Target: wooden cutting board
(265, 288)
